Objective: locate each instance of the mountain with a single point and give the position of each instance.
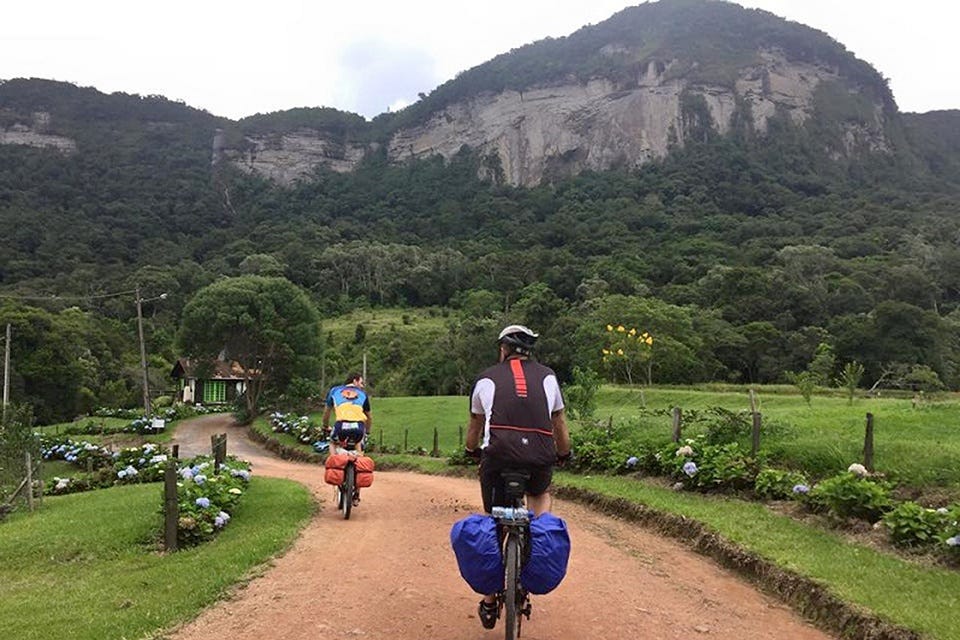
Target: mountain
(616, 94)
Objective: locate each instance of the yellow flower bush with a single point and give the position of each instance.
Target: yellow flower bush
(627, 351)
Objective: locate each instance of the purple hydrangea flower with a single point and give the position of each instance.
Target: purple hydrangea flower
(953, 542)
(800, 488)
(218, 522)
(203, 502)
(200, 478)
(224, 515)
(632, 461)
(690, 468)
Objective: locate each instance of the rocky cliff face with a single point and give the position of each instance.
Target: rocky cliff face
(551, 132)
(559, 130)
(34, 135)
(286, 158)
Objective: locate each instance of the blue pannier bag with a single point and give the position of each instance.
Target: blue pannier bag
(474, 541)
(549, 553)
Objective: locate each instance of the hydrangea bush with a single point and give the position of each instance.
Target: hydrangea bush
(852, 495)
(207, 499)
(125, 466)
(780, 484)
(300, 427)
(707, 467)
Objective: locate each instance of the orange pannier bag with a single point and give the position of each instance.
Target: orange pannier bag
(335, 464)
(364, 466)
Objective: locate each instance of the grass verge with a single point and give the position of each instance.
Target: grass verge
(86, 566)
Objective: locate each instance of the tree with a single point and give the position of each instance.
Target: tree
(267, 325)
(850, 378)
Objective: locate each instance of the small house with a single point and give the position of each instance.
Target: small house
(209, 382)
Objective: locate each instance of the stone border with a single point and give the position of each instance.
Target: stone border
(809, 598)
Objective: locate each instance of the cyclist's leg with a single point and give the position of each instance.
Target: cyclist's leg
(538, 490)
(493, 494)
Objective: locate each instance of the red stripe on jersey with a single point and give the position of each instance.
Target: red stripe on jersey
(519, 380)
(530, 429)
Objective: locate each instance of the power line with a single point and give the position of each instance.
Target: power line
(55, 297)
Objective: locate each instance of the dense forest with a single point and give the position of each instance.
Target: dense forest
(744, 256)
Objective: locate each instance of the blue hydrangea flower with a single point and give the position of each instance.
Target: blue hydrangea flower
(800, 488)
(200, 478)
(186, 474)
(224, 515)
(953, 542)
(632, 461)
(122, 473)
(690, 468)
(203, 502)
(218, 522)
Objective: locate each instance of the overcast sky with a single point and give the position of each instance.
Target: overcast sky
(236, 58)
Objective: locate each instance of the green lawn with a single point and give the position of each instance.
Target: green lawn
(86, 566)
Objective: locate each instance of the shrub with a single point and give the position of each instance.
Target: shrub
(779, 484)
(848, 495)
(581, 396)
(206, 500)
(707, 467)
(600, 447)
(912, 525)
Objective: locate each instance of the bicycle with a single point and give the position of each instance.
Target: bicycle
(513, 524)
(347, 493)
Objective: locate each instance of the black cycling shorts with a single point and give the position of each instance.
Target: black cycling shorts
(492, 488)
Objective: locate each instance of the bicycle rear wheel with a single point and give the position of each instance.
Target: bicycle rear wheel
(347, 489)
(511, 588)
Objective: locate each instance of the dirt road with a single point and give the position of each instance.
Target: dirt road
(396, 577)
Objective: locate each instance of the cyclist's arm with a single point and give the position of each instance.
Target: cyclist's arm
(474, 431)
(561, 434)
(326, 417)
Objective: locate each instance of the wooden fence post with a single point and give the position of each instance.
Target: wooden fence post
(436, 444)
(176, 451)
(219, 451)
(29, 462)
(755, 440)
(676, 424)
(868, 444)
(171, 507)
(460, 437)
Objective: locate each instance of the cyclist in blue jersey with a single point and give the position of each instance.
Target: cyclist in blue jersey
(350, 406)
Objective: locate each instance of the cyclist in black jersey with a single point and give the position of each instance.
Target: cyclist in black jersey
(516, 422)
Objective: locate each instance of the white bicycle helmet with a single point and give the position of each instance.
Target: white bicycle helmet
(519, 337)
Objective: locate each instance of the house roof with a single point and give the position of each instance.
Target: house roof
(211, 370)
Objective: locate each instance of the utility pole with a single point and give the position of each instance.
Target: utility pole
(143, 356)
(6, 374)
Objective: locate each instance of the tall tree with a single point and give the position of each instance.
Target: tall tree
(267, 325)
